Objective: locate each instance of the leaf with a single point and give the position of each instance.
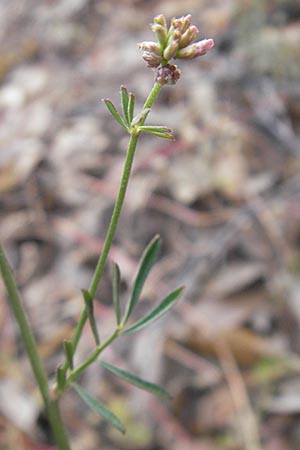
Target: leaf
(98, 408)
(136, 381)
(114, 113)
(60, 378)
(90, 313)
(116, 285)
(155, 128)
(157, 312)
(147, 261)
(68, 348)
(131, 103)
(163, 135)
(167, 134)
(124, 97)
(141, 117)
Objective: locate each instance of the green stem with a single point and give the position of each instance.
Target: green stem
(152, 96)
(115, 215)
(25, 329)
(59, 432)
(109, 236)
(114, 219)
(30, 345)
(76, 372)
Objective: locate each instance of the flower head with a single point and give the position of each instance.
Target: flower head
(175, 42)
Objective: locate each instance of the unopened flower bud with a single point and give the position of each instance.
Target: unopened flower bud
(196, 49)
(161, 33)
(182, 23)
(168, 74)
(204, 46)
(189, 36)
(161, 20)
(171, 49)
(151, 59)
(151, 47)
(177, 41)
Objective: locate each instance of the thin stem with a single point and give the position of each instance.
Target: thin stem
(152, 96)
(51, 406)
(115, 215)
(75, 373)
(109, 236)
(25, 329)
(114, 219)
(57, 426)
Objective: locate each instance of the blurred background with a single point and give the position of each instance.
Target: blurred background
(225, 198)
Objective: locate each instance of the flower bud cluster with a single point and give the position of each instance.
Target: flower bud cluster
(177, 42)
(168, 74)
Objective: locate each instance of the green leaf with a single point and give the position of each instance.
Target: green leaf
(141, 117)
(116, 285)
(114, 113)
(60, 378)
(162, 132)
(68, 348)
(146, 263)
(99, 409)
(157, 312)
(155, 128)
(131, 103)
(163, 135)
(90, 313)
(136, 381)
(124, 97)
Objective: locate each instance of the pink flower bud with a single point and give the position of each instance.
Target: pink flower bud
(204, 46)
(177, 41)
(151, 47)
(189, 36)
(151, 59)
(186, 22)
(182, 23)
(196, 49)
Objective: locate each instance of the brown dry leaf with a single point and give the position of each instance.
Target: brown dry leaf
(247, 347)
